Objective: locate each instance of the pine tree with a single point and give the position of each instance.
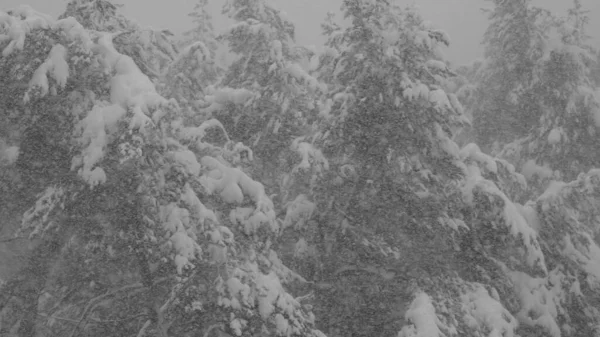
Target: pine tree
(560, 145)
(140, 200)
(563, 92)
(266, 98)
(203, 28)
(153, 50)
(514, 44)
(195, 68)
(140, 234)
(386, 131)
(414, 217)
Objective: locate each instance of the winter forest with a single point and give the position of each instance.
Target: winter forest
(368, 188)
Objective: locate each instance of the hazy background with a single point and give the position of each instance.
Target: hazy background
(461, 19)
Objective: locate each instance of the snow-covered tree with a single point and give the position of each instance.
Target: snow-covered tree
(196, 67)
(148, 230)
(266, 98)
(203, 29)
(132, 173)
(403, 217)
(567, 223)
(559, 301)
(463, 85)
(393, 169)
(153, 50)
(515, 41)
(561, 144)
(525, 270)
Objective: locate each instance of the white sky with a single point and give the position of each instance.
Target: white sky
(461, 19)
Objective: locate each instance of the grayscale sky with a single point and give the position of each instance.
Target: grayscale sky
(461, 19)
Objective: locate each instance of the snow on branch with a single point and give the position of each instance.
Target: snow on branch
(184, 227)
(539, 303)
(181, 235)
(298, 212)
(452, 305)
(130, 90)
(56, 65)
(512, 217)
(472, 151)
(197, 133)
(19, 22)
(567, 211)
(95, 129)
(302, 76)
(220, 97)
(231, 184)
(423, 319)
(250, 288)
(16, 24)
(309, 155)
(37, 218)
(249, 26)
(129, 87)
(484, 312)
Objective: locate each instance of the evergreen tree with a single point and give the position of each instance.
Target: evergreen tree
(266, 99)
(385, 129)
(138, 234)
(402, 213)
(554, 150)
(203, 28)
(153, 50)
(137, 197)
(560, 146)
(515, 40)
(196, 67)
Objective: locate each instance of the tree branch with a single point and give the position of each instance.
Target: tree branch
(143, 329)
(120, 319)
(386, 275)
(160, 310)
(93, 302)
(58, 318)
(92, 319)
(9, 239)
(211, 328)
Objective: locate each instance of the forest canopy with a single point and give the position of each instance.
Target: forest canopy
(366, 188)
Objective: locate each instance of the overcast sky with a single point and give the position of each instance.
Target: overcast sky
(461, 19)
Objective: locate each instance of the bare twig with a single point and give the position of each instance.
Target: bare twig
(118, 320)
(176, 291)
(93, 302)
(160, 310)
(92, 319)
(58, 318)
